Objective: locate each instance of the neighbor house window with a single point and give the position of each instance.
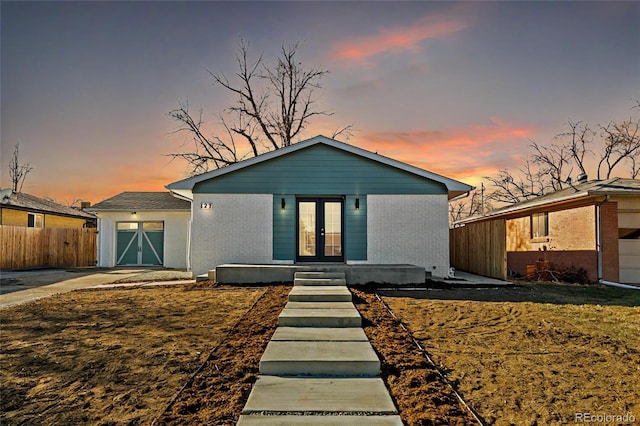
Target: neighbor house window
(540, 225)
(629, 233)
(35, 220)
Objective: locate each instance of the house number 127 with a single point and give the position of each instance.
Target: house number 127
(205, 205)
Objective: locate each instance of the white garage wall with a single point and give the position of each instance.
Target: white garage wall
(176, 231)
(411, 229)
(237, 228)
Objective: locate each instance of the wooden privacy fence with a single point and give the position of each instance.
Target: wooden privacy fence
(480, 248)
(22, 247)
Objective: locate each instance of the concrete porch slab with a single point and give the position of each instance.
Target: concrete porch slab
(319, 305)
(334, 395)
(319, 294)
(320, 420)
(327, 334)
(345, 359)
(320, 317)
(236, 273)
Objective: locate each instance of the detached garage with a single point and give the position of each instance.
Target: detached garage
(143, 229)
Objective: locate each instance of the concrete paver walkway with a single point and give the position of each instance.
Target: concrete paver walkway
(319, 367)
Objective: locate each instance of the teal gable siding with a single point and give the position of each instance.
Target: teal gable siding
(355, 228)
(319, 170)
(284, 227)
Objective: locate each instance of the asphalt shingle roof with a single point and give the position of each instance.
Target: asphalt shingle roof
(142, 201)
(22, 201)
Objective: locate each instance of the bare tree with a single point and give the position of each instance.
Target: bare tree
(274, 105)
(622, 143)
(580, 136)
(527, 182)
(18, 171)
(467, 207)
(550, 168)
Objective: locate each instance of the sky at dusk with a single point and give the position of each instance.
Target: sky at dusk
(459, 89)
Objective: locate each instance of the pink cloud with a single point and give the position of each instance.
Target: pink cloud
(401, 38)
(467, 153)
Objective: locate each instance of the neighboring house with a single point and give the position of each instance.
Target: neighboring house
(320, 200)
(143, 228)
(20, 209)
(594, 226)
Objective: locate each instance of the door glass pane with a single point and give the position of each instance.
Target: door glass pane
(122, 226)
(332, 229)
(307, 228)
(153, 226)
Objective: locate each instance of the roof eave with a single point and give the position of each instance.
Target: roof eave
(531, 207)
(120, 210)
(86, 215)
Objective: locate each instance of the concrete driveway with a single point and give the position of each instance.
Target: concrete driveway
(23, 286)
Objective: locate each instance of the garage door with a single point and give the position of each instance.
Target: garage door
(629, 247)
(140, 243)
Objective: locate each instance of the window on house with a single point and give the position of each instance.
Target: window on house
(127, 226)
(35, 220)
(540, 225)
(153, 226)
(629, 234)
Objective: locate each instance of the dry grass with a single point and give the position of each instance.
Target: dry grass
(524, 355)
(534, 354)
(109, 356)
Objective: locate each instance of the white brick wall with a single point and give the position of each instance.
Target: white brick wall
(237, 229)
(410, 229)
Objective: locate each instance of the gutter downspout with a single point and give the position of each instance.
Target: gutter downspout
(599, 236)
(189, 245)
(619, 285)
(98, 240)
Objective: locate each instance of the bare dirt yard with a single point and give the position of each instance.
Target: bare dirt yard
(532, 354)
(189, 354)
(185, 354)
(113, 356)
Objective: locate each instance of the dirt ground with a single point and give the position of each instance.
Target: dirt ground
(113, 356)
(532, 355)
(520, 355)
(421, 395)
(121, 356)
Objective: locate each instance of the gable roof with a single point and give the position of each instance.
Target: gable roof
(127, 201)
(22, 201)
(185, 186)
(582, 191)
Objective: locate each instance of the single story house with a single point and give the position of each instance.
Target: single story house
(20, 209)
(319, 200)
(143, 228)
(593, 226)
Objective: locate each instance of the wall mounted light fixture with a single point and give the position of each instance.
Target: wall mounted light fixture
(357, 203)
(282, 203)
